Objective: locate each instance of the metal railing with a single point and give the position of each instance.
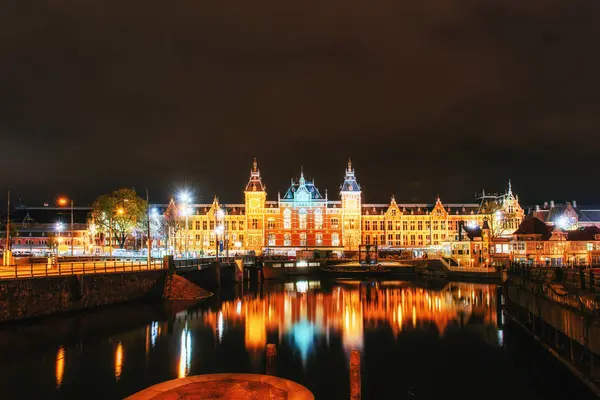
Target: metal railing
(580, 279)
(35, 270)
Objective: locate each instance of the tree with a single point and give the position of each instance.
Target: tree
(497, 216)
(171, 222)
(119, 213)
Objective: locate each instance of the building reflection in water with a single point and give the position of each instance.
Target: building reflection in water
(118, 360)
(60, 366)
(305, 315)
(185, 354)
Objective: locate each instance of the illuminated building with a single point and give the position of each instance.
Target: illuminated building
(537, 243)
(304, 218)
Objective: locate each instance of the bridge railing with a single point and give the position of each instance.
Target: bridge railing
(54, 268)
(586, 279)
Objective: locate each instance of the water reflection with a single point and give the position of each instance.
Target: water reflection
(185, 354)
(305, 314)
(60, 366)
(118, 361)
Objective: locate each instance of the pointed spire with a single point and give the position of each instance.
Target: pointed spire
(255, 183)
(349, 164)
(438, 200)
(393, 199)
(509, 187)
(301, 176)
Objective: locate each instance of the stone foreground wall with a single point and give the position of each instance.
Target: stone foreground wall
(26, 298)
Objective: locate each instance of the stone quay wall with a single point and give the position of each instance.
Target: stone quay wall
(36, 297)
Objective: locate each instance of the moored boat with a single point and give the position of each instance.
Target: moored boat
(355, 270)
(282, 269)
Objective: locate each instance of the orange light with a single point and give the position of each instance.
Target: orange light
(120, 211)
(62, 201)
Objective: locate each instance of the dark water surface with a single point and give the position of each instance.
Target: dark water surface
(416, 341)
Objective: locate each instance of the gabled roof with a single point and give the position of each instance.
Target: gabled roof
(549, 214)
(583, 234)
(302, 186)
(589, 215)
(534, 226)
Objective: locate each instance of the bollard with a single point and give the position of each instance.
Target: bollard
(271, 359)
(355, 375)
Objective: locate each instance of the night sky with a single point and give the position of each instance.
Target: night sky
(426, 96)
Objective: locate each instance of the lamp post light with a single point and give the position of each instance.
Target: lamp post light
(218, 231)
(63, 201)
(185, 198)
(59, 228)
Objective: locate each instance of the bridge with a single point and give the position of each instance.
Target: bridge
(42, 267)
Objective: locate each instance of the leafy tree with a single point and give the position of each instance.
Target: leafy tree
(497, 216)
(120, 212)
(171, 222)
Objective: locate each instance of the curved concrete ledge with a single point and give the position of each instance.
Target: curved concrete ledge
(226, 386)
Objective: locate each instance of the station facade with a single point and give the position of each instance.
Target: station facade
(305, 218)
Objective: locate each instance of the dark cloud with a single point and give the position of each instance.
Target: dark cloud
(427, 96)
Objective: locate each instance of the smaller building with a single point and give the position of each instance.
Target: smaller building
(536, 243)
(39, 231)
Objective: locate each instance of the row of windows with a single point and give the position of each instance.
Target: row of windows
(229, 225)
(406, 240)
(408, 225)
(287, 239)
(302, 220)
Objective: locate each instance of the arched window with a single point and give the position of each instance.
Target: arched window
(318, 219)
(302, 219)
(287, 240)
(287, 219)
(335, 239)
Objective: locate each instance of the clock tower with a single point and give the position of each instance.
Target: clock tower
(255, 197)
(350, 194)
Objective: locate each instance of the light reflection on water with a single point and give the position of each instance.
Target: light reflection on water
(306, 315)
(118, 360)
(185, 353)
(60, 366)
(309, 323)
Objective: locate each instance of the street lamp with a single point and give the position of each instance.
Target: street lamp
(185, 199)
(59, 228)
(63, 201)
(218, 231)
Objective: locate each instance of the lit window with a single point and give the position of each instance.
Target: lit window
(302, 219)
(271, 239)
(318, 219)
(287, 219)
(335, 239)
(303, 239)
(287, 240)
(319, 239)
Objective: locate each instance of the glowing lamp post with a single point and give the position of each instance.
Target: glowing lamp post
(59, 228)
(218, 231)
(185, 198)
(63, 201)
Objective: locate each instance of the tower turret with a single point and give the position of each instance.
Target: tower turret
(255, 198)
(350, 194)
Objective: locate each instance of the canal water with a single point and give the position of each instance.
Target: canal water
(417, 340)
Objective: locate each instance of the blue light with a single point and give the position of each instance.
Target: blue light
(303, 333)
